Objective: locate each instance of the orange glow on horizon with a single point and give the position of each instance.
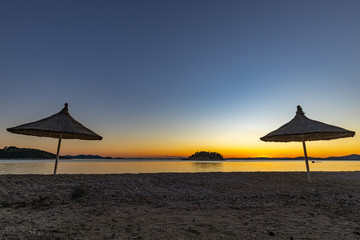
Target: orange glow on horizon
(243, 153)
(183, 147)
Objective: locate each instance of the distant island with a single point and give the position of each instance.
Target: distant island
(203, 155)
(25, 153)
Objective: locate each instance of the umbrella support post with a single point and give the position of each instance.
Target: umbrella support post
(307, 163)
(57, 154)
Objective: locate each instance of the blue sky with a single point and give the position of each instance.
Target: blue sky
(172, 77)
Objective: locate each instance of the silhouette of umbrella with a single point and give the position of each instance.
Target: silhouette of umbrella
(301, 129)
(60, 125)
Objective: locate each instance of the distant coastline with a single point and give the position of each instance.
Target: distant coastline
(29, 153)
(25, 153)
(351, 157)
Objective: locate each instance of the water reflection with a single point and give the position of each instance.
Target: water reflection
(207, 166)
(26, 168)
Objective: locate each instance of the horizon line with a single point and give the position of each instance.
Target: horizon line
(182, 157)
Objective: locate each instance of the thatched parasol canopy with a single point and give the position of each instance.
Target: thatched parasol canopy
(301, 128)
(61, 123)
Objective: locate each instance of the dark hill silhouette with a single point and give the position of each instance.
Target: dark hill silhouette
(25, 153)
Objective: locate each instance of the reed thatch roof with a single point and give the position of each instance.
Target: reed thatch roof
(301, 128)
(61, 123)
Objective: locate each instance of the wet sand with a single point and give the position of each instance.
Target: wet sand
(268, 205)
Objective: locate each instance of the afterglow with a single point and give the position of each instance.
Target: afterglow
(169, 78)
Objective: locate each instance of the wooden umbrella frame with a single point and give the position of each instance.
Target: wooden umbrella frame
(57, 154)
(306, 162)
(301, 129)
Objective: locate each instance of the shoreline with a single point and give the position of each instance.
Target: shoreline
(237, 205)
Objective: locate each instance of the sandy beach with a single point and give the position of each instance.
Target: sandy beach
(181, 206)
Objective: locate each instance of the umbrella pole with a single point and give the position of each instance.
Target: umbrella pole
(307, 163)
(57, 154)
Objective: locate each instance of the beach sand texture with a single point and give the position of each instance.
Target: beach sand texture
(181, 206)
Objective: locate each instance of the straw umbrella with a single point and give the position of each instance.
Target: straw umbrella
(302, 129)
(60, 125)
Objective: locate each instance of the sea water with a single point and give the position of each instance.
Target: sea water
(99, 166)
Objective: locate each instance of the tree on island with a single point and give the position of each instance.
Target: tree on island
(203, 155)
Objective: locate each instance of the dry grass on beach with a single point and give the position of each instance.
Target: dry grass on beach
(181, 206)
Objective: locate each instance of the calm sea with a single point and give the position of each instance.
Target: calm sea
(156, 166)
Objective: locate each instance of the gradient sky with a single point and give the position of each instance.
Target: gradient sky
(168, 78)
